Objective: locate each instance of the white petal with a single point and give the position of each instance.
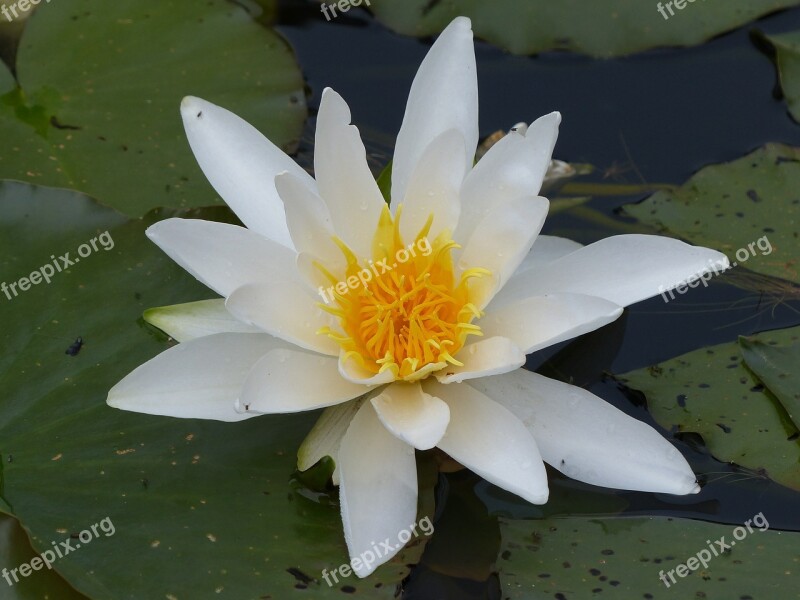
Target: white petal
(350, 369)
(546, 249)
(241, 164)
(412, 415)
(312, 232)
(308, 218)
(200, 379)
(488, 356)
(515, 166)
(444, 95)
(486, 438)
(222, 256)
(587, 439)
(500, 243)
(325, 437)
(377, 489)
(184, 322)
(287, 381)
(623, 269)
(541, 321)
(309, 267)
(286, 310)
(434, 187)
(345, 181)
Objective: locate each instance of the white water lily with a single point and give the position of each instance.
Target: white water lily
(436, 340)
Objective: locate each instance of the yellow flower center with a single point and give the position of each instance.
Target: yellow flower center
(405, 310)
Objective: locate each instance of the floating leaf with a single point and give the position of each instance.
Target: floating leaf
(776, 367)
(787, 58)
(199, 508)
(624, 558)
(600, 28)
(7, 81)
(749, 209)
(15, 550)
(710, 392)
(101, 85)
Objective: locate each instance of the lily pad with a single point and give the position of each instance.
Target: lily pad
(601, 28)
(776, 367)
(624, 558)
(712, 393)
(787, 58)
(749, 209)
(15, 550)
(7, 81)
(199, 508)
(100, 85)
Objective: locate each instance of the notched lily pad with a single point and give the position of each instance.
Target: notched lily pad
(601, 28)
(712, 393)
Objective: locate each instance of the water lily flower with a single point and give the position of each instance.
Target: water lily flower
(411, 321)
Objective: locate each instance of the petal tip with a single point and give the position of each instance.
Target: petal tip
(192, 107)
(540, 498)
(463, 23)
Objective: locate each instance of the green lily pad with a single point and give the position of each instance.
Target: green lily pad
(711, 392)
(601, 28)
(15, 550)
(7, 81)
(749, 209)
(101, 114)
(583, 557)
(199, 508)
(787, 58)
(776, 367)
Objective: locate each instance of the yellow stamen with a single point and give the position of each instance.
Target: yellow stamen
(410, 315)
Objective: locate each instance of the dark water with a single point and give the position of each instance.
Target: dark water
(657, 117)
